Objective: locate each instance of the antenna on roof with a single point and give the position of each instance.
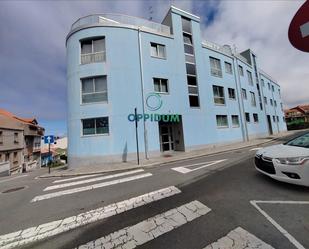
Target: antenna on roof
(150, 13)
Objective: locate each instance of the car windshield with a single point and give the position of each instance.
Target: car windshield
(302, 141)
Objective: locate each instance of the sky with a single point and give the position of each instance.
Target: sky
(33, 54)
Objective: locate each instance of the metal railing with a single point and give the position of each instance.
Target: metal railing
(92, 57)
(120, 20)
(217, 47)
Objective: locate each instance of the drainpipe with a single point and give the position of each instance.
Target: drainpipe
(244, 127)
(142, 88)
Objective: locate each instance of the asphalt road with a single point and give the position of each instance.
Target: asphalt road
(221, 189)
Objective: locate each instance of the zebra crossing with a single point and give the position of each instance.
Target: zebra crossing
(72, 185)
(136, 234)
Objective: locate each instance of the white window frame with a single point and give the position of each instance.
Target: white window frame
(250, 79)
(157, 46)
(215, 67)
(93, 82)
(220, 125)
(244, 93)
(241, 70)
(160, 85)
(253, 99)
(234, 92)
(235, 125)
(95, 128)
(99, 56)
(218, 97)
(228, 65)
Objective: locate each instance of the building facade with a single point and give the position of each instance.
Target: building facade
(297, 117)
(20, 142)
(188, 93)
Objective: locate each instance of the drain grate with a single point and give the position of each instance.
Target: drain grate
(12, 190)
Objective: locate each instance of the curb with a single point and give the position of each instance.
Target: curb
(160, 163)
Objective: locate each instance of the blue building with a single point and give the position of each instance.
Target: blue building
(188, 93)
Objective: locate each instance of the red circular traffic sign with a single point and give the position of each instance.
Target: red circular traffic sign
(299, 28)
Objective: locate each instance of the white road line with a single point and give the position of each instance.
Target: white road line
(147, 230)
(272, 221)
(304, 29)
(64, 185)
(239, 239)
(185, 170)
(77, 178)
(258, 148)
(49, 229)
(13, 178)
(89, 187)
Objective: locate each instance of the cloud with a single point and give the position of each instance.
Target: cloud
(263, 27)
(32, 50)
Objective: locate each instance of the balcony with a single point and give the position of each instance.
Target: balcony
(122, 21)
(93, 57)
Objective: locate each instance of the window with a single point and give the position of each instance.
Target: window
(94, 90)
(281, 105)
(190, 58)
(250, 78)
(235, 121)
(1, 137)
(265, 100)
(190, 69)
(279, 92)
(232, 93)
(157, 50)
(15, 159)
(222, 121)
(94, 126)
(263, 83)
(271, 102)
(273, 88)
(93, 50)
(277, 118)
(160, 85)
(187, 39)
(274, 118)
(241, 70)
(268, 84)
(218, 95)
(188, 49)
(193, 100)
(244, 93)
(247, 117)
(275, 103)
(255, 117)
(16, 138)
(253, 101)
(228, 67)
(186, 25)
(191, 80)
(215, 67)
(283, 118)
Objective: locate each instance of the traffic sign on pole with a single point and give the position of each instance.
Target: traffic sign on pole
(49, 139)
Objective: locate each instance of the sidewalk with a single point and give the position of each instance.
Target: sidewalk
(161, 160)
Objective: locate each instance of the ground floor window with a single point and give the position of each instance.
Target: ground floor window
(222, 121)
(94, 126)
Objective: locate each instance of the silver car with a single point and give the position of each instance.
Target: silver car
(288, 162)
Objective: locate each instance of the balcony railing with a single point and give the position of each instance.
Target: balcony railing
(120, 20)
(217, 47)
(93, 57)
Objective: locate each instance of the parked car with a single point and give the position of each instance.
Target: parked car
(288, 162)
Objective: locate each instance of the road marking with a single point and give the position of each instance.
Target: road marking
(6, 180)
(258, 148)
(64, 185)
(185, 170)
(49, 229)
(147, 230)
(304, 29)
(272, 221)
(89, 187)
(77, 178)
(239, 239)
